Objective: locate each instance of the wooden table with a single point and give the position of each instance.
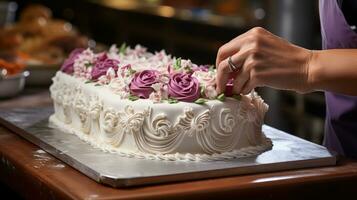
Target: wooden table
(35, 174)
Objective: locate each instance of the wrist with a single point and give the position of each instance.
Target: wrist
(313, 68)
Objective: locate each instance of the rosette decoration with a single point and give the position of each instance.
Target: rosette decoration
(102, 65)
(184, 87)
(141, 84)
(133, 73)
(67, 66)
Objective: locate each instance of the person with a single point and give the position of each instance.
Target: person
(259, 58)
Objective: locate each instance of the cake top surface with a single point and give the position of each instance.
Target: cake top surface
(133, 73)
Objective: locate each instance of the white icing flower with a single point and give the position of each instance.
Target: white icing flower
(157, 86)
(113, 52)
(186, 63)
(160, 92)
(164, 78)
(210, 92)
(119, 87)
(205, 78)
(105, 79)
(156, 97)
(110, 73)
(88, 73)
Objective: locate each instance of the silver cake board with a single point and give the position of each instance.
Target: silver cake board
(289, 152)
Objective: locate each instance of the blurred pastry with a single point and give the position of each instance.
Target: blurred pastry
(34, 12)
(44, 39)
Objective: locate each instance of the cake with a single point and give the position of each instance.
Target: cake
(155, 106)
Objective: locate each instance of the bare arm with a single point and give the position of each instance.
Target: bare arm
(268, 60)
(334, 70)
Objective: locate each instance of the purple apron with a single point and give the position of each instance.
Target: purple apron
(341, 110)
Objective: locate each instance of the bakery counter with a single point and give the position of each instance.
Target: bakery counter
(35, 174)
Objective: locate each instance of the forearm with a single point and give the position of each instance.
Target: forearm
(334, 70)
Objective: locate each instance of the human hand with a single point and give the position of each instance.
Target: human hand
(264, 60)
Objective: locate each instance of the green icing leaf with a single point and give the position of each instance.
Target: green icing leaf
(172, 101)
(88, 81)
(202, 91)
(177, 64)
(131, 71)
(122, 48)
(133, 98)
(221, 97)
(237, 96)
(97, 84)
(188, 69)
(201, 101)
(88, 65)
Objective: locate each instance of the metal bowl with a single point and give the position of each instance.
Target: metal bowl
(11, 85)
(41, 75)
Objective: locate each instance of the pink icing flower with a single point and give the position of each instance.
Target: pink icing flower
(156, 97)
(141, 83)
(184, 87)
(204, 68)
(102, 65)
(210, 92)
(205, 78)
(83, 64)
(67, 66)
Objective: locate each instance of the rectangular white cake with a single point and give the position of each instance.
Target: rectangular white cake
(154, 106)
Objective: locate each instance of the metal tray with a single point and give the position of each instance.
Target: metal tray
(289, 152)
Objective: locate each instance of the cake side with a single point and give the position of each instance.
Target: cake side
(214, 130)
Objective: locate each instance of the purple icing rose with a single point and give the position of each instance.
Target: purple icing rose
(142, 81)
(184, 87)
(102, 65)
(101, 57)
(67, 66)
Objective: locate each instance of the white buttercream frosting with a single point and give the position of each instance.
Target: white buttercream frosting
(144, 129)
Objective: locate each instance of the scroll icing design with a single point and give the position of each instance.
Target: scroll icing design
(162, 126)
(222, 135)
(80, 105)
(252, 111)
(159, 136)
(110, 128)
(156, 137)
(95, 108)
(117, 124)
(133, 121)
(184, 121)
(65, 96)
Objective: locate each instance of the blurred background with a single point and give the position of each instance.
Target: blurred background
(43, 34)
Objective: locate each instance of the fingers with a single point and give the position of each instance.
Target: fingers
(248, 87)
(241, 79)
(235, 44)
(230, 48)
(245, 51)
(224, 72)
